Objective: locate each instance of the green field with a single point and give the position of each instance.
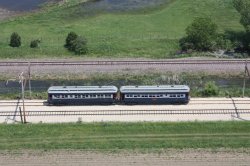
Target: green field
(126, 136)
(151, 33)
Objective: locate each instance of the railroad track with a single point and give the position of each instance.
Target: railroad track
(130, 112)
(122, 62)
(19, 103)
(46, 104)
(192, 102)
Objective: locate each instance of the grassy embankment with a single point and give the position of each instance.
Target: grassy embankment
(125, 136)
(152, 33)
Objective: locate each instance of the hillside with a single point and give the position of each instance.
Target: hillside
(150, 32)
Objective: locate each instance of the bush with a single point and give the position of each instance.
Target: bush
(15, 40)
(79, 45)
(34, 43)
(210, 89)
(69, 41)
(223, 43)
(75, 43)
(201, 35)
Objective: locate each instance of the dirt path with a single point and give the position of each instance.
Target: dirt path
(169, 157)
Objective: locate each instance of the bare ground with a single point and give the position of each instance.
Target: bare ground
(188, 157)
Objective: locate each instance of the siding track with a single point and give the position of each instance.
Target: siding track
(128, 112)
(201, 109)
(122, 62)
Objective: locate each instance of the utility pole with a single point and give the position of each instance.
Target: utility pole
(22, 85)
(245, 75)
(29, 75)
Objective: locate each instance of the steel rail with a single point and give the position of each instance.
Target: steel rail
(218, 103)
(191, 103)
(238, 102)
(122, 62)
(129, 112)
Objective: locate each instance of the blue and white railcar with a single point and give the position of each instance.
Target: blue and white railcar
(81, 95)
(164, 94)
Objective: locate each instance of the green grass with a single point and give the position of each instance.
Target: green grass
(126, 136)
(153, 33)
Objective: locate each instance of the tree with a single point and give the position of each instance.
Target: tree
(243, 7)
(69, 41)
(79, 45)
(201, 35)
(15, 40)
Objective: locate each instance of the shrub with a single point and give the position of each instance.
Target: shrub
(210, 89)
(69, 41)
(201, 35)
(79, 45)
(222, 42)
(15, 40)
(34, 43)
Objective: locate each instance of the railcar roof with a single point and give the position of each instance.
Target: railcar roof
(155, 89)
(82, 89)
